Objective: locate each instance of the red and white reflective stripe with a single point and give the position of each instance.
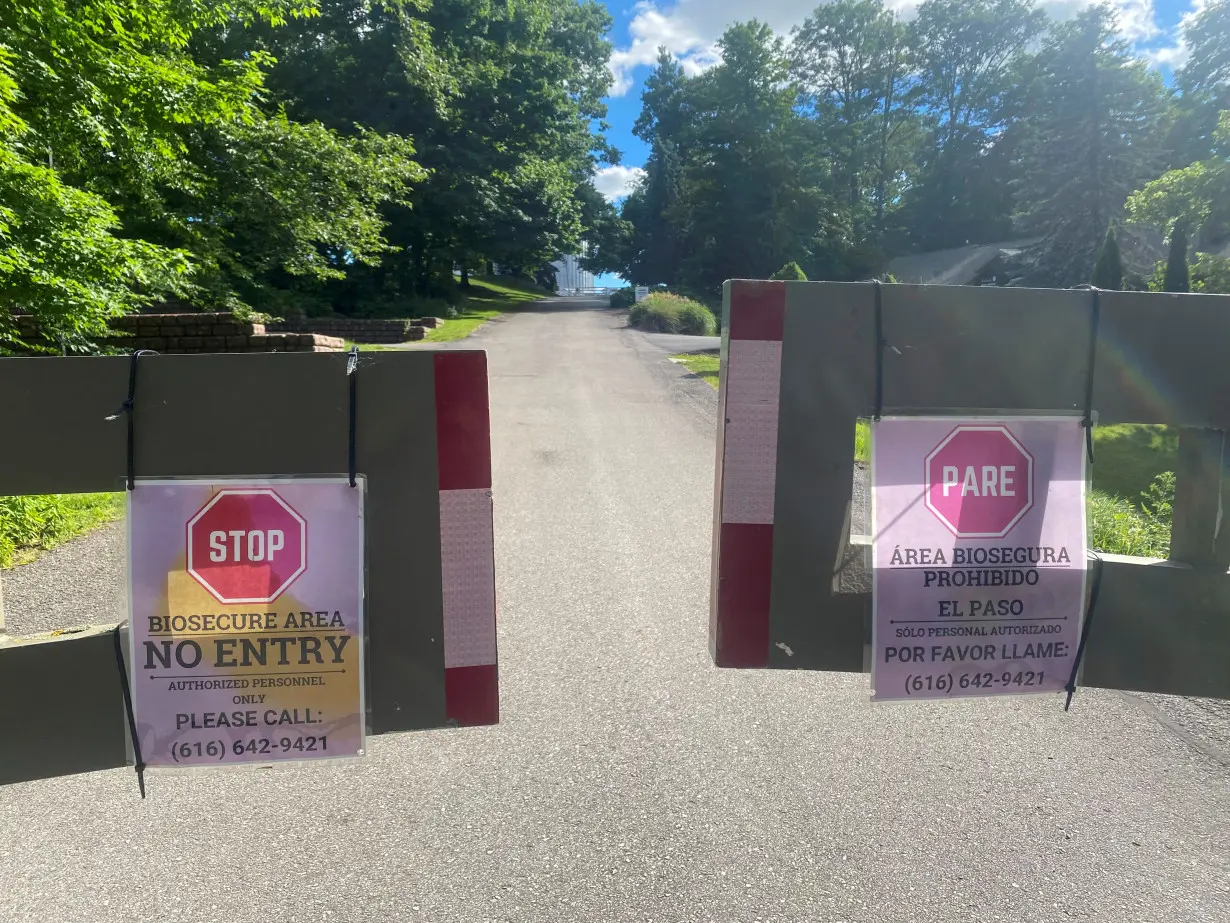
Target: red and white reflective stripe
(467, 539)
(751, 394)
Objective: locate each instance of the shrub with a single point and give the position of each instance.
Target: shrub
(665, 313)
(790, 273)
(36, 523)
(623, 299)
(1118, 526)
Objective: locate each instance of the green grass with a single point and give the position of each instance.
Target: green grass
(1128, 457)
(29, 525)
(1130, 505)
(489, 297)
(705, 365)
(1142, 529)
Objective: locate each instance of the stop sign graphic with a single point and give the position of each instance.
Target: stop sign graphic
(980, 481)
(246, 545)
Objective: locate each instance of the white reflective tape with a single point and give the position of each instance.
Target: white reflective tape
(467, 564)
(749, 460)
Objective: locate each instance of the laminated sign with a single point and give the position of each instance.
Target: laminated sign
(978, 555)
(246, 603)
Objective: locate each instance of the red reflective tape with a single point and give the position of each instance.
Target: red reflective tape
(745, 574)
(472, 695)
(463, 420)
(757, 310)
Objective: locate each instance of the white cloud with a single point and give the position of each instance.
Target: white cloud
(689, 29)
(1176, 55)
(616, 182)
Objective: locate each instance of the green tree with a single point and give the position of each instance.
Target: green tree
(660, 238)
(500, 98)
(754, 182)
(791, 272)
(848, 58)
(142, 106)
(664, 107)
(1176, 278)
(1211, 274)
(61, 259)
(968, 54)
(1091, 135)
(1196, 196)
(1108, 270)
(1208, 38)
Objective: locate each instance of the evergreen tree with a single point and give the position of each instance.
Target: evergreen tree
(1176, 279)
(1108, 270)
(659, 239)
(791, 272)
(968, 54)
(1091, 136)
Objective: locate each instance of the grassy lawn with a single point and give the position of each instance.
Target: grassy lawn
(703, 364)
(29, 525)
(489, 297)
(1129, 507)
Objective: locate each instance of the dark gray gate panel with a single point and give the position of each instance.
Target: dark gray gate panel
(209, 415)
(1159, 627)
(828, 369)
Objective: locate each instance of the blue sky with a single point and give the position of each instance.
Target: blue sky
(689, 28)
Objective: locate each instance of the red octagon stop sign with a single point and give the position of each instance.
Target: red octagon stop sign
(246, 545)
(980, 481)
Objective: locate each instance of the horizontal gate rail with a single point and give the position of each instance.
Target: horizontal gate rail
(798, 369)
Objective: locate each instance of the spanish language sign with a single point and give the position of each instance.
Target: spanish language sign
(978, 555)
(246, 604)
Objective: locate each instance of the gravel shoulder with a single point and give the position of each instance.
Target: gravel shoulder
(78, 583)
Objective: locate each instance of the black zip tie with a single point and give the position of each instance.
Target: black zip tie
(1080, 647)
(138, 762)
(880, 344)
(127, 408)
(352, 368)
(1094, 322)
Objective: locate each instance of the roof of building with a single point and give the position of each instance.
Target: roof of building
(958, 266)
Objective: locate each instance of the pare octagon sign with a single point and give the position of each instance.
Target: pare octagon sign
(246, 545)
(980, 481)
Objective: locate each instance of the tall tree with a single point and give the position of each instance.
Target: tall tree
(660, 246)
(755, 198)
(1092, 135)
(1207, 35)
(968, 54)
(136, 106)
(664, 113)
(1176, 278)
(501, 98)
(1108, 268)
(849, 60)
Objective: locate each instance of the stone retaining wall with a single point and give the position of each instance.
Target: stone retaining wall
(201, 333)
(361, 330)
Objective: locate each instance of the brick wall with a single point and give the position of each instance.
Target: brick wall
(361, 330)
(213, 333)
(201, 333)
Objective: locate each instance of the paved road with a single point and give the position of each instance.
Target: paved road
(630, 780)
